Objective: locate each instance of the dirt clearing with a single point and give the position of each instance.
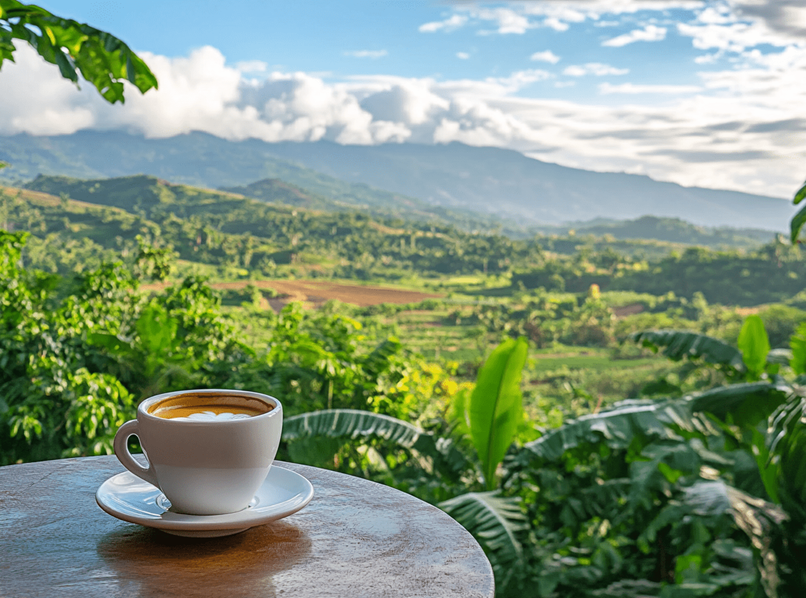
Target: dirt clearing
(318, 292)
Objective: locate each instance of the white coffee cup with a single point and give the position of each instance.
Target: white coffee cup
(208, 450)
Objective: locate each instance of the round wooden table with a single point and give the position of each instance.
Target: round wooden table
(355, 538)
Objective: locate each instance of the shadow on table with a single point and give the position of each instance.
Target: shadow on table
(148, 562)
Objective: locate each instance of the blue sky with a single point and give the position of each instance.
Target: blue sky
(704, 93)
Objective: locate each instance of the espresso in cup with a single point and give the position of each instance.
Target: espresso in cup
(208, 450)
(209, 406)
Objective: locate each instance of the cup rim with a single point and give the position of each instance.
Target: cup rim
(142, 408)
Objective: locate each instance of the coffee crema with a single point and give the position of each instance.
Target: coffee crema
(209, 407)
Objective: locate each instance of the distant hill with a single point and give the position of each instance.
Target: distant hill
(202, 160)
(674, 230)
(500, 184)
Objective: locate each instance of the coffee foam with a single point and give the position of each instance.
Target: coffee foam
(206, 416)
(209, 407)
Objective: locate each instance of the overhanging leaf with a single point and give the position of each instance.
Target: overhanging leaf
(797, 222)
(102, 59)
(799, 219)
(800, 195)
(496, 405)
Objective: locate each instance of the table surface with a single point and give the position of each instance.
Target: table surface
(355, 538)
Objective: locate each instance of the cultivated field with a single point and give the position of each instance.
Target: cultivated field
(318, 292)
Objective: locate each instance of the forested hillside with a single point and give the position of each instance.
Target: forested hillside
(272, 238)
(476, 183)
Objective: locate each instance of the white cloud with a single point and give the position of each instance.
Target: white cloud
(462, 55)
(449, 24)
(367, 53)
(593, 68)
(556, 24)
(545, 56)
(748, 119)
(506, 19)
(252, 66)
(632, 88)
(650, 33)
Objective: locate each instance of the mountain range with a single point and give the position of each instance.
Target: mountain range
(476, 183)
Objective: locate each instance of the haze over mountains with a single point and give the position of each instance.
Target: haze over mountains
(426, 178)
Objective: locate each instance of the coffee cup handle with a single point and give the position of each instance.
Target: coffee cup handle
(122, 436)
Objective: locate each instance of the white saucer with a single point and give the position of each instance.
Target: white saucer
(131, 499)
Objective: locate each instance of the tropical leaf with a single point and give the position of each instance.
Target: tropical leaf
(378, 360)
(679, 344)
(747, 404)
(495, 522)
(496, 405)
(708, 499)
(355, 424)
(754, 345)
(800, 195)
(799, 219)
(758, 519)
(781, 356)
(102, 59)
(617, 427)
(797, 222)
(788, 455)
(797, 343)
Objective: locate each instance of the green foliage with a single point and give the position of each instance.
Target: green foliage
(754, 345)
(496, 405)
(678, 345)
(798, 345)
(356, 425)
(496, 522)
(101, 58)
(798, 219)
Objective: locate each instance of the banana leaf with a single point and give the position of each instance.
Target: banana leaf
(754, 344)
(495, 522)
(747, 404)
(496, 405)
(617, 427)
(679, 344)
(354, 424)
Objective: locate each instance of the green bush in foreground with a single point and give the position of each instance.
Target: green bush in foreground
(695, 496)
(77, 355)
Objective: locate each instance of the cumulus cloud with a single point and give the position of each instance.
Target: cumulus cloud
(545, 56)
(748, 118)
(593, 68)
(462, 55)
(650, 33)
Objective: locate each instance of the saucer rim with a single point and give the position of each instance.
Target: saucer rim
(240, 520)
